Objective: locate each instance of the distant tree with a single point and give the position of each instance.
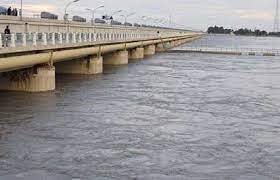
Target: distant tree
(241, 31)
(276, 34)
(219, 30)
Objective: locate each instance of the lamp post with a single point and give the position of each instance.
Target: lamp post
(114, 13)
(126, 16)
(66, 7)
(21, 10)
(93, 11)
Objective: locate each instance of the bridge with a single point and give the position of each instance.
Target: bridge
(37, 49)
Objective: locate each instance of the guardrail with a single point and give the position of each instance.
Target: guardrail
(43, 39)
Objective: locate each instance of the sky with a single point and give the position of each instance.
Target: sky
(192, 14)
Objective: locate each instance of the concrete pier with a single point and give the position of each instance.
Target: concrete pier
(116, 58)
(88, 65)
(35, 79)
(160, 47)
(149, 50)
(137, 53)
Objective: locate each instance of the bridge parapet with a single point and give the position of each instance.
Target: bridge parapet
(30, 32)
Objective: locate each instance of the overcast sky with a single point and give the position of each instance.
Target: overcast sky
(190, 13)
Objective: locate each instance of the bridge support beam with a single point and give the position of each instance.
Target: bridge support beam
(88, 65)
(149, 50)
(116, 58)
(35, 79)
(137, 53)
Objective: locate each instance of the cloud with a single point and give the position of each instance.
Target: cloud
(184, 13)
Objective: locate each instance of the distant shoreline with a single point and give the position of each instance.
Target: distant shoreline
(242, 35)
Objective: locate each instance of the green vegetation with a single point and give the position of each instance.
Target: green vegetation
(242, 31)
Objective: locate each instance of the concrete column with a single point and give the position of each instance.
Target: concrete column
(160, 47)
(35, 79)
(87, 65)
(149, 50)
(137, 53)
(23, 39)
(116, 58)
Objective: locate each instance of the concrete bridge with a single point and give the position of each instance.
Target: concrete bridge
(38, 49)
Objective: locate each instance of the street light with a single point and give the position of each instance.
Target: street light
(21, 10)
(66, 7)
(93, 11)
(116, 12)
(147, 19)
(126, 16)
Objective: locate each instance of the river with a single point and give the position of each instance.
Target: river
(168, 117)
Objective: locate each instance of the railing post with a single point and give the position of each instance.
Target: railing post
(79, 38)
(53, 38)
(34, 39)
(59, 38)
(85, 37)
(13, 40)
(1, 42)
(67, 38)
(74, 40)
(90, 37)
(94, 37)
(44, 38)
(23, 39)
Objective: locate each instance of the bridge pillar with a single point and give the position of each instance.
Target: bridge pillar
(160, 47)
(176, 43)
(172, 44)
(116, 58)
(149, 50)
(87, 65)
(35, 79)
(137, 53)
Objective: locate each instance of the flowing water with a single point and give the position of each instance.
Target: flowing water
(168, 117)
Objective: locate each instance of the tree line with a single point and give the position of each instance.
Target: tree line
(241, 31)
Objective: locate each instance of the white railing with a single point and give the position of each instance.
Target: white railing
(34, 39)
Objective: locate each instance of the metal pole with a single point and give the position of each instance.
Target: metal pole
(92, 21)
(21, 10)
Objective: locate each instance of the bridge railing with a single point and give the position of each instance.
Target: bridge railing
(33, 39)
